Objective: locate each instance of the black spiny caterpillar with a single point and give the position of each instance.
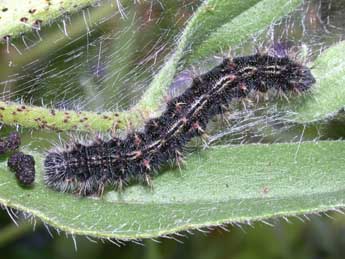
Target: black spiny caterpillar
(87, 169)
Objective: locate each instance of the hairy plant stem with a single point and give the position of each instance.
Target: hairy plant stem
(18, 17)
(64, 120)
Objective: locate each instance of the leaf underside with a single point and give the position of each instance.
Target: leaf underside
(220, 185)
(328, 95)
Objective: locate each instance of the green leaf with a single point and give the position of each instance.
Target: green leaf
(226, 18)
(217, 186)
(328, 94)
(214, 14)
(17, 17)
(241, 27)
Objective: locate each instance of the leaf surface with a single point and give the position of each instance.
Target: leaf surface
(219, 185)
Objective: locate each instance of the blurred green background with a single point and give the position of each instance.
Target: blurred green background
(109, 68)
(307, 237)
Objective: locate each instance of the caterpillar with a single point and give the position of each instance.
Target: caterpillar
(88, 169)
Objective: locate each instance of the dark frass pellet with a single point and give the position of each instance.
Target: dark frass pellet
(3, 146)
(13, 141)
(24, 167)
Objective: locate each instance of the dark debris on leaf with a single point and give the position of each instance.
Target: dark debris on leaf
(24, 167)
